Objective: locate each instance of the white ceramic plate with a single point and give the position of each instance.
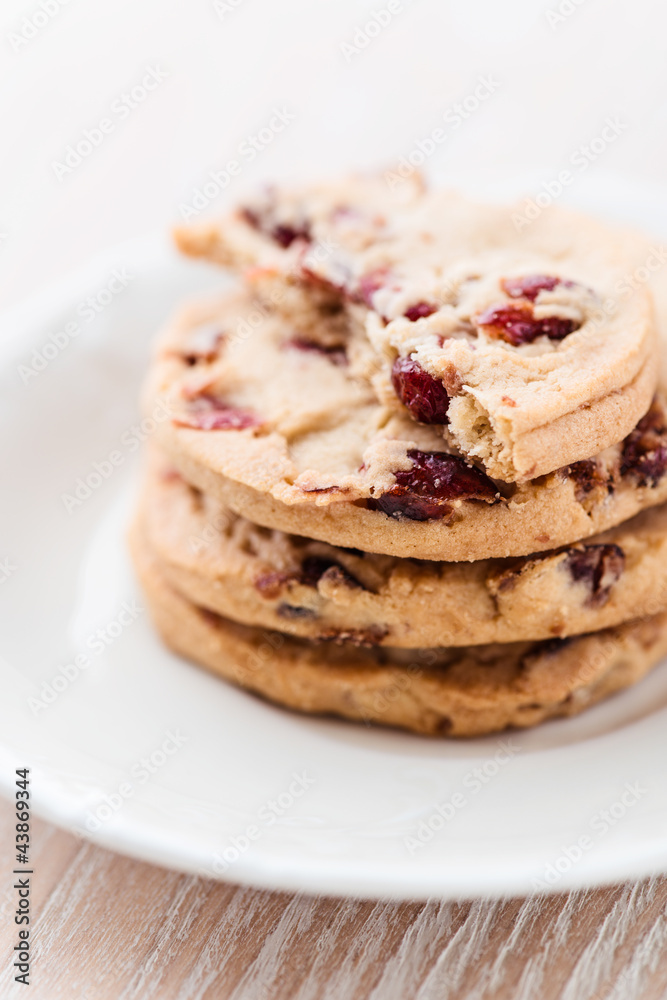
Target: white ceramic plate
(557, 810)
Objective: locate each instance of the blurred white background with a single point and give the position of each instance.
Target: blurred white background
(355, 96)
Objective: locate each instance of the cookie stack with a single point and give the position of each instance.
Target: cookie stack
(414, 463)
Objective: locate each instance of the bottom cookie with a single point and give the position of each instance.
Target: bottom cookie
(463, 691)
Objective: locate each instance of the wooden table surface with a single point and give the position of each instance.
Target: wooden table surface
(108, 928)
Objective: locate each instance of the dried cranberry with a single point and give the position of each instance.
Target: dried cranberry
(644, 454)
(272, 584)
(368, 285)
(424, 396)
(599, 567)
(283, 233)
(422, 492)
(419, 311)
(518, 325)
(286, 235)
(333, 285)
(313, 568)
(530, 286)
(250, 216)
(589, 477)
(206, 413)
(586, 475)
(335, 354)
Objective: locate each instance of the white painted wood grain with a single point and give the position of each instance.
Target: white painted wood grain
(107, 928)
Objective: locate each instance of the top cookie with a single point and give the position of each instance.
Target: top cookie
(527, 348)
(287, 432)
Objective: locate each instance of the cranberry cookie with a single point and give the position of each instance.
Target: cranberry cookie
(289, 432)
(525, 348)
(264, 577)
(465, 691)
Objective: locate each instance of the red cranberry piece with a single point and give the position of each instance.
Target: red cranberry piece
(283, 233)
(555, 327)
(331, 284)
(206, 413)
(589, 477)
(368, 285)
(530, 286)
(271, 584)
(425, 396)
(599, 567)
(313, 568)
(517, 325)
(422, 492)
(286, 235)
(336, 355)
(250, 216)
(419, 311)
(644, 454)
